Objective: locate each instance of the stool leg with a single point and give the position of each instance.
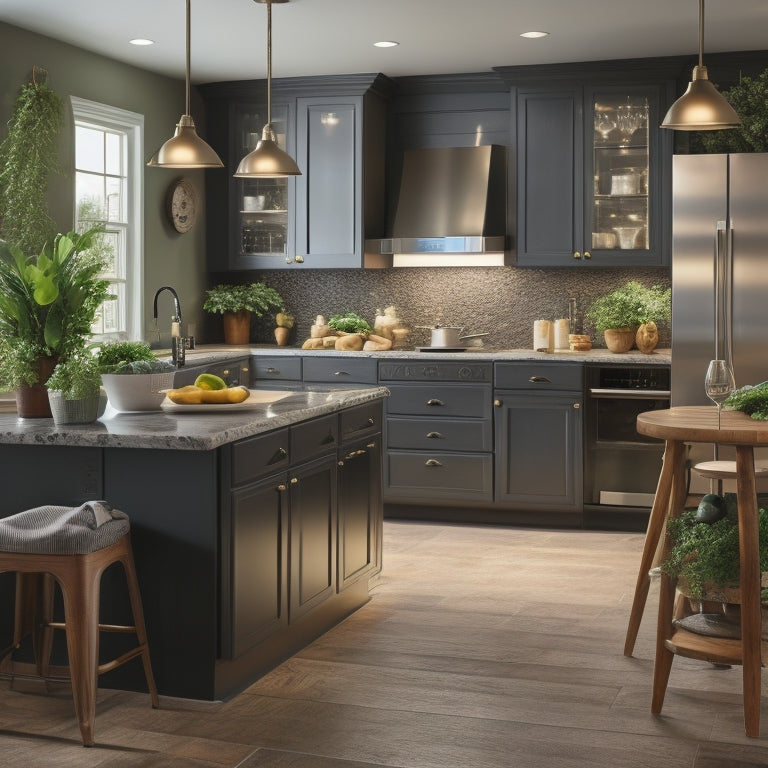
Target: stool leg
(80, 588)
(43, 637)
(138, 621)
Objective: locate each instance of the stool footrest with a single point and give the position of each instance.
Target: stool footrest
(108, 666)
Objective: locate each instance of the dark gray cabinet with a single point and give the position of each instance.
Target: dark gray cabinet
(335, 127)
(593, 177)
(538, 436)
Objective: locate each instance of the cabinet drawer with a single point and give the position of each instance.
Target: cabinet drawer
(545, 375)
(314, 438)
(429, 370)
(277, 368)
(438, 400)
(340, 370)
(436, 476)
(257, 456)
(440, 434)
(360, 421)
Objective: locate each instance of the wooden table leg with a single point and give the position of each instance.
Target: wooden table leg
(672, 466)
(749, 561)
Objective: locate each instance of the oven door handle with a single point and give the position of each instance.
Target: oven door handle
(630, 394)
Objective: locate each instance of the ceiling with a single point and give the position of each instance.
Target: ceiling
(324, 37)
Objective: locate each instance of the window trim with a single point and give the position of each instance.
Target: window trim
(132, 124)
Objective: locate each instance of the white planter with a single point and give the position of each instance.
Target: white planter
(136, 391)
(72, 411)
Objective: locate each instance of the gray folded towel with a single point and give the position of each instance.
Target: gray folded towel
(57, 530)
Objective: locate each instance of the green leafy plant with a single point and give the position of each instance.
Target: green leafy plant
(349, 322)
(78, 377)
(752, 400)
(630, 306)
(708, 553)
(27, 157)
(48, 304)
(128, 357)
(256, 298)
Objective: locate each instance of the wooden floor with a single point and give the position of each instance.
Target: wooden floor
(481, 648)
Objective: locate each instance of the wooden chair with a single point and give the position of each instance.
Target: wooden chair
(78, 574)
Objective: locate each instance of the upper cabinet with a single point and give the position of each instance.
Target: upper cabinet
(593, 173)
(335, 128)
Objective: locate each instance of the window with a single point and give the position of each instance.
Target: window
(109, 146)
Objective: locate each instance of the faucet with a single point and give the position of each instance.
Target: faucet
(177, 345)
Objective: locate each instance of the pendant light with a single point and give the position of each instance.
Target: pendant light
(185, 149)
(702, 107)
(267, 160)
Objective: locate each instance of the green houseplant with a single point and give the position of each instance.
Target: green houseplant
(74, 389)
(629, 314)
(237, 303)
(133, 378)
(47, 306)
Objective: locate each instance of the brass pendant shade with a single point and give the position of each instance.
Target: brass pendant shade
(702, 107)
(267, 160)
(185, 149)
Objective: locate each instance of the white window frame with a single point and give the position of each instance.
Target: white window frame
(132, 125)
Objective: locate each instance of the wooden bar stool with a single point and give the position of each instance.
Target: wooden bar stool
(74, 546)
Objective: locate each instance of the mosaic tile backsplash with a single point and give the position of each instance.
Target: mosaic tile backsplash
(502, 301)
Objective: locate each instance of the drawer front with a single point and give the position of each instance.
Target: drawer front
(260, 455)
(440, 434)
(439, 400)
(314, 438)
(431, 370)
(276, 368)
(361, 421)
(436, 476)
(550, 376)
(340, 370)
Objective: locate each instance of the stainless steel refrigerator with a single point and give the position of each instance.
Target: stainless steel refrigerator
(720, 241)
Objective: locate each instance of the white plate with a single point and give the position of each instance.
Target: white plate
(256, 399)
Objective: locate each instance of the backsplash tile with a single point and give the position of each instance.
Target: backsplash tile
(503, 301)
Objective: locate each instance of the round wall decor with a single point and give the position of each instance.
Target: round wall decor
(182, 205)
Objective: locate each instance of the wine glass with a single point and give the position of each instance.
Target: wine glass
(719, 383)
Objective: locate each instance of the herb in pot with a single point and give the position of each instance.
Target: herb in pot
(349, 322)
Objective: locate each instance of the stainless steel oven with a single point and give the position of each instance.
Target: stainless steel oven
(621, 467)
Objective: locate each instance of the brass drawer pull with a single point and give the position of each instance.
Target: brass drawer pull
(539, 380)
(342, 373)
(273, 370)
(278, 456)
(434, 436)
(432, 463)
(435, 401)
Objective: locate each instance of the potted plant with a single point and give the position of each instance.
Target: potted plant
(133, 378)
(48, 304)
(284, 325)
(629, 314)
(237, 303)
(74, 389)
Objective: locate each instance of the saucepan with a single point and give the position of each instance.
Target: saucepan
(448, 335)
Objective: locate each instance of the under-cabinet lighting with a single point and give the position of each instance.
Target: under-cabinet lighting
(534, 35)
(386, 44)
(141, 41)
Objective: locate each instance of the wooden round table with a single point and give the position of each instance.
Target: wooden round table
(698, 424)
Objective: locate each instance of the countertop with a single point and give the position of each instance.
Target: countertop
(209, 353)
(195, 431)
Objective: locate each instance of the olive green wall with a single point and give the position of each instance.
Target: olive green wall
(169, 258)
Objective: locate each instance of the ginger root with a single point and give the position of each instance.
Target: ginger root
(312, 344)
(377, 343)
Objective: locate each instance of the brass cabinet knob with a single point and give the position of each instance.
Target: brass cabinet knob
(299, 259)
(294, 480)
(341, 463)
(498, 403)
(282, 487)
(587, 255)
(576, 254)
(577, 406)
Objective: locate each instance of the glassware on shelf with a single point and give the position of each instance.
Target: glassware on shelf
(629, 118)
(627, 236)
(603, 124)
(719, 383)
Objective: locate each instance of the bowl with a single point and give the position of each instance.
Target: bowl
(136, 391)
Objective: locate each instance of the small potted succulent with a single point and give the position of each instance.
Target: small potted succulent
(237, 303)
(133, 378)
(628, 315)
(74, 389)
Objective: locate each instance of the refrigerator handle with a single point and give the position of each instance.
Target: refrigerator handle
(723, 291)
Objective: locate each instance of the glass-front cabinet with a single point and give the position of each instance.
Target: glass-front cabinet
(593, 176)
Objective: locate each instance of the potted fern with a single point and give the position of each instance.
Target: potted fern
(74, 389)
(237, 304)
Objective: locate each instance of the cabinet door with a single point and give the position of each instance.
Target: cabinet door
(539, 451)
(312, 491)
(328, 194)
(360, 511)
(259, 578)
(550, 167)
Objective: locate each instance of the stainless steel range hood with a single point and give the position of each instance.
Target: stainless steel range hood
(451, 210)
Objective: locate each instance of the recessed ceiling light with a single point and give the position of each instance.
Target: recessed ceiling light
(533, 35)
(386, 44)
(141, 41)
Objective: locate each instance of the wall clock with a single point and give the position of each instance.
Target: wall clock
(182, 205)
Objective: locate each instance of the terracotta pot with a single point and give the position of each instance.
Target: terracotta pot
(619, 339)
(281, 335)
(647, 337)
(32, 402)
(237, 327)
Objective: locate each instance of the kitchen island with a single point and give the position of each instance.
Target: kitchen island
(254, 529)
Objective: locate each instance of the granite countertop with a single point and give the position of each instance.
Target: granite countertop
(175, 429)
(215, 352)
